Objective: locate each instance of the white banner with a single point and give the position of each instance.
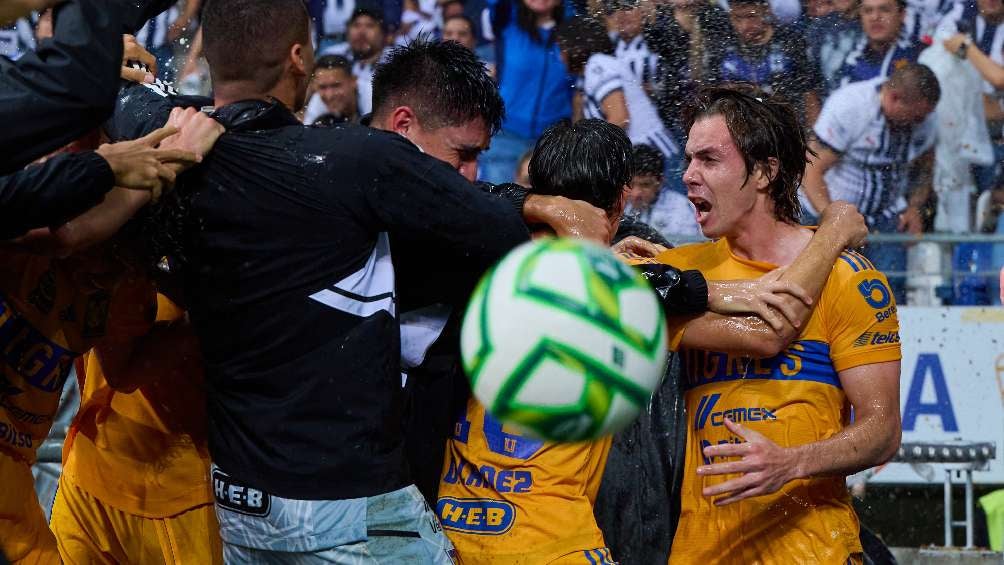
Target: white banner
(952, 386)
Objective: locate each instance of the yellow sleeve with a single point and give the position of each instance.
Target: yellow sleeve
(860, 314)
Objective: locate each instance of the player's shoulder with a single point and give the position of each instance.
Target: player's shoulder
(688, 256)
(854, 274)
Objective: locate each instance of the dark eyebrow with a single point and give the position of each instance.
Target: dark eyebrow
(703, 152)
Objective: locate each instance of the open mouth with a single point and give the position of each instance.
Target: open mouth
(702, 208)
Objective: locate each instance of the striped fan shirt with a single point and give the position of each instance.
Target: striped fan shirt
(153, 34)
(643, 63)
(604, 75)
(875, 159)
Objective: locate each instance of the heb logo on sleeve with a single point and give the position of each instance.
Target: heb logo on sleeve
(480, 516)
(240, 498)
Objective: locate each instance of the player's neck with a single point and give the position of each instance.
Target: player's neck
(766, 239)
(230, 92)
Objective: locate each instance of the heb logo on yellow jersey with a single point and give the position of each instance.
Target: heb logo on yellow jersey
(481, 516)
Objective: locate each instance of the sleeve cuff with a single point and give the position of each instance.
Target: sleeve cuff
(697, 292)
(99, 170)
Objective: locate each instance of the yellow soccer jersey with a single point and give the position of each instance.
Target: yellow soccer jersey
(794, 399)
(508, 499)
(47, 319)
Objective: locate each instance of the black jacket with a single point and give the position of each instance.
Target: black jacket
(53, 96)
(291, 289)
(53, 192)
(68, 86)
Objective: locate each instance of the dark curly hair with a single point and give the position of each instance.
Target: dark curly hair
(763, 128)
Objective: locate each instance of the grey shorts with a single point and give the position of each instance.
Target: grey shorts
(396, 527)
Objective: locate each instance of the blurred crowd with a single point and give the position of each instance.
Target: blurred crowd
(633, 62)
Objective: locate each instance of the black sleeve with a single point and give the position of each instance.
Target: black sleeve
(62, 90)
(63, 187)
(140, 109)
(67, 86)
(682, 292)
(434, 215)
(511, 192)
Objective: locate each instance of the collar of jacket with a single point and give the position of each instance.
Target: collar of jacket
(249, 115)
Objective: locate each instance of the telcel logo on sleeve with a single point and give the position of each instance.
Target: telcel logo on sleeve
(476, 515)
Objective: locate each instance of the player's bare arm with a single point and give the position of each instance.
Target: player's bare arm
(765, 467)
(568, 218)
(781, 306)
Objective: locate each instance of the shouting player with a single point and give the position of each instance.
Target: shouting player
(770, 440)
(505, 498)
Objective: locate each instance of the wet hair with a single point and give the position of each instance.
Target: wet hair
(442, 81)
(916, 81)
(762, 128)
(648, 160)
(526, 20)
(370, 11)
(589, 161)
(333, 63)
(249, 40)
(581, 37)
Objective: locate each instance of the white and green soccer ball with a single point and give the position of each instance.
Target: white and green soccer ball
(563, 341)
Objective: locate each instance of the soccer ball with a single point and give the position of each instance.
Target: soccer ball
(563, 341)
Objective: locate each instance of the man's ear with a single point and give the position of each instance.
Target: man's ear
(766, 174)
(402, 120)
(618, 208)
(297, 59)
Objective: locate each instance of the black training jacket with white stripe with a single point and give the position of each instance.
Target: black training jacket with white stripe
(290, 285)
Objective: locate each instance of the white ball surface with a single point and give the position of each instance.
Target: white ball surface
(564, 341)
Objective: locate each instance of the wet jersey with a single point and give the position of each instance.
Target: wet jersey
(793, 399)
(143, 452)
(47, 319)
(506, 499)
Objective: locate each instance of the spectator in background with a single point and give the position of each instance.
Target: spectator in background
(331, 23)
(154, 36)
(830, 37)
(882, 49)
(874, 148)
(668, 212)
(460, 28)
(336, 90)
(685, 34)
(534, 83)
(773, 58)
(367, 42)
(452, 8)
(625, 19)
(982, 43)
(418, 18)
(608, 90)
